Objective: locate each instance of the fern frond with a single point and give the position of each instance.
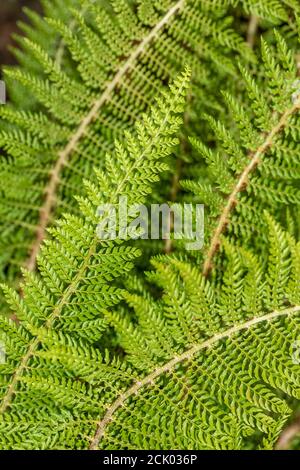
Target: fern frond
(221, 380)
(76, 287)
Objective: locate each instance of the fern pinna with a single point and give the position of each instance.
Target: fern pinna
(202, 350)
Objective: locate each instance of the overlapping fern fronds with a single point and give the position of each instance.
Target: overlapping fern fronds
(40, 31)
(205, 367)
(200, 363)
(117, 56)
(255, 164)
(77, 268)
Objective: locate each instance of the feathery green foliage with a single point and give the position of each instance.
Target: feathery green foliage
(198, 352)
(255, 164)
(77, 268)
(117, 57)
(205, 368)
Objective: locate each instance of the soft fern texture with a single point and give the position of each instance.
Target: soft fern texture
(255, 165)
(205, 368)
(209, 363)
(196, 353)
(112, 60)
(77, 268)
